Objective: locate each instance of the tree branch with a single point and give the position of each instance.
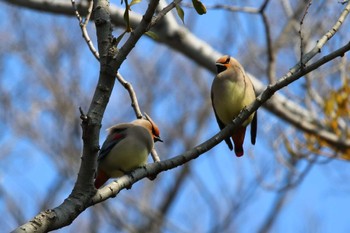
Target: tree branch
(132, 94)
(83, 190)
(79, 200)
(153, 169)
(83, 24)
(180, 39)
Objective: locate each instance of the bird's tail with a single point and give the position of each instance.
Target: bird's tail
(238, 139)
(101, 178)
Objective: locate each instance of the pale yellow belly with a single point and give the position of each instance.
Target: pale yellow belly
(231, 100)
(124, 157)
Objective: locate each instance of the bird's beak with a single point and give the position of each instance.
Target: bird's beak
(220, 67)
(157, 139)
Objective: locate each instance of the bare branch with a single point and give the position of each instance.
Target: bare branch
(271, 64)
(80, 199)
(301, 36)
(155, 155)
(83, 190)
(132, 94)
(180, 39)
(163, 12)
(155, 168)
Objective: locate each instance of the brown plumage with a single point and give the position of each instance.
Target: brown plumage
(126, 148)
(231, 91)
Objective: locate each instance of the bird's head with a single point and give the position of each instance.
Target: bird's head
(223, 63)
(154, 129)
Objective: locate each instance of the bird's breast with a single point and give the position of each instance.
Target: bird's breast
(229, 98)
(130, 153)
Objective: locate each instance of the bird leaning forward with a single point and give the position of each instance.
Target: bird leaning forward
(126, 148)
(231, 91)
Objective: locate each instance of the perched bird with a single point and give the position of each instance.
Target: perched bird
(231, 91)
(126, 148)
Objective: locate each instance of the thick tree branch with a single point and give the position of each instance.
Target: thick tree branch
(110, 61)
(79, 200)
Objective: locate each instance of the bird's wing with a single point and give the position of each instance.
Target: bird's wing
(117, 135)
(221, 124)
(254, 124)
(254, 128)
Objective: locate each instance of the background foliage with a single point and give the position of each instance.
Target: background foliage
(290, 181)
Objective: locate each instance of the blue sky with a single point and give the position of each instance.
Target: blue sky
(323, 196)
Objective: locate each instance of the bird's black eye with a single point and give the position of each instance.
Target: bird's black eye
(227, 60)
(220, 68)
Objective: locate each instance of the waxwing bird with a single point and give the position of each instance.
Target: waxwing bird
(231, 91)
(126, 148)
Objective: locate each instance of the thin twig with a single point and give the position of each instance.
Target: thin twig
(132, 94)
(163, 12)
(83, 25)
(300, 34)
(326, 37)
(83, 116)
(155, 156)
(89, 12)
(271, 65)
(135, 106)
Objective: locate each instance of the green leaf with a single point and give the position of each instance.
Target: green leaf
(199, 6)
(126, 16)
(180, 13)
(153, 35)
(133, 2)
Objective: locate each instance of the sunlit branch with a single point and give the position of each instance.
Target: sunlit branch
(83, 190)
(181, 40)
(135, 106)
(132, 94)
(122, 81)
(155, 168)
(300, 34)
(83, 24)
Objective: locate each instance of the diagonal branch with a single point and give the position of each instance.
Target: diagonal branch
(180, 39)
(80, 199)
(155, 168)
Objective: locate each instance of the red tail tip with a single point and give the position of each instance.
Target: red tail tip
(239, 152)
(101, 178)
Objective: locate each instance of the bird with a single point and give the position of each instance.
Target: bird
(231, 91)
(126, 148)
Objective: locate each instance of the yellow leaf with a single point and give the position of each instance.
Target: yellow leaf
(133, 2)
(180, 13)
